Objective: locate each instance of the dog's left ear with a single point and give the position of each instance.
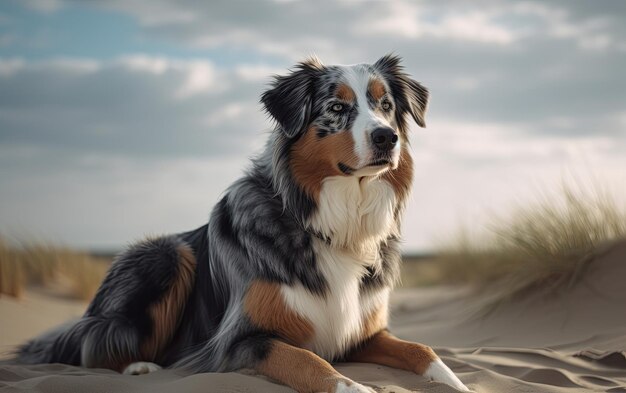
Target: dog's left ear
(418, 101)
(409, 94)
(290, 99)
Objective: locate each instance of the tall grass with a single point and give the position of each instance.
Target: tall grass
(547, 245)
(11, 272)
(44, 265)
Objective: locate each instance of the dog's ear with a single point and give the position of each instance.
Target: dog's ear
(409, 94)
(418, 101)
(290, 98)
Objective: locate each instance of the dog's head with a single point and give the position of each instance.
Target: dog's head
(345, 120)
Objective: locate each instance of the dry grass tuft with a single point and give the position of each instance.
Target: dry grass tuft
(547, 245)
(44, 265)
(11, 272)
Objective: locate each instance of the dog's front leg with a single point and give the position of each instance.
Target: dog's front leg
(295, 367)
(383, 348)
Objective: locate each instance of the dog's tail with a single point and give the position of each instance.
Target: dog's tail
(60, 344)
(90, 341)
(133, 316)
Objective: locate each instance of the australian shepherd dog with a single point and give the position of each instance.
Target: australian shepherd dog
(294, 268)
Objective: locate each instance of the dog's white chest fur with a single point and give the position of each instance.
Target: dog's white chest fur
(339, 317)
(356, 215)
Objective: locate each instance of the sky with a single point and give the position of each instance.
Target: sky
(120, 119)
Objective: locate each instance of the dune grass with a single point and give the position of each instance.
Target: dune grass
(45, 265)
(544, 246)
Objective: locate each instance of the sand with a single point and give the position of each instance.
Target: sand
(572, 342)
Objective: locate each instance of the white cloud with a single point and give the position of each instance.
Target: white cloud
(592, 33)
(474, 26)
(498, 143)
(9, 67)
(401, 19)
(487, 25)
(200, 78)
(46, 6)
(135, 105)
(596, 42)
(256, 72)
(224, 114)
(158, 13)
(145, 63)
(75, 66)
(417, 20)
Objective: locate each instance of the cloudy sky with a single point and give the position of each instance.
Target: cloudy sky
(124, 118)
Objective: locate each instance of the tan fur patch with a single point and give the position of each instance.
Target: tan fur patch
(374, 323)
(385, 349)
(345, 93)
(167, 312)
(376, 88)
(313, 159)
(401, 177)
(300, 369)
(266, 308)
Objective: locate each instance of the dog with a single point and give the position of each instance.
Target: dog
(294, 268)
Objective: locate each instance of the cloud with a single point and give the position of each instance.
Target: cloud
(97, 153)
(46, 6)
(499, 62)
(200, 75)
(493, 144)
(131, 106)
(9, 66)
(414, 21)
(261, 26)
(524, 62)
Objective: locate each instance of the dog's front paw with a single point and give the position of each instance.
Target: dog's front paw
(439, 372)
(352, 387)
(139, 368)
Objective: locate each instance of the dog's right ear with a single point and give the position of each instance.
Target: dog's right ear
(290, 99)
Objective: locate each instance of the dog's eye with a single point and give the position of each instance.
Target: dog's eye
(337, 108)
(386, 105)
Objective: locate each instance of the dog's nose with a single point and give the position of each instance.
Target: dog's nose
(384, 138)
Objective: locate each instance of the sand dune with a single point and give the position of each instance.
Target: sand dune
(573, 342)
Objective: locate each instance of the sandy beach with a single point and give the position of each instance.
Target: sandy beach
(569, 342)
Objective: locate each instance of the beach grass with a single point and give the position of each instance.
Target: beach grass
(546, 245)
(40, 264)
